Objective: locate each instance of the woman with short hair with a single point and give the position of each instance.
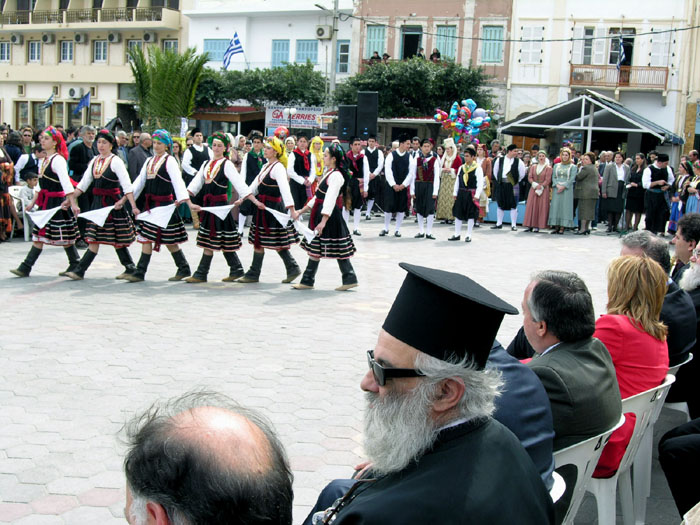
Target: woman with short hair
(586, 192)
(614, 190)
(634, 204)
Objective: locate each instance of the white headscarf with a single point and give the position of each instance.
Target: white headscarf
(446, 158)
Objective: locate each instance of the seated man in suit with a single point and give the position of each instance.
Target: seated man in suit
(685, 240)
(576, 370)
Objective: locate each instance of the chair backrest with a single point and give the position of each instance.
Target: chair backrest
(584, 456)
(673, 370)
(14, 192)
(646, 407)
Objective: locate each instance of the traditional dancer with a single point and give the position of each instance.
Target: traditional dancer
(399, 169)
(467, 190)
(215, 234)
(375, 161)
(657, 179)
(424, 189)
(357, 185)
(272, 190)
(333, 240)
(159, 179)
(192, 160)
(508, 171)
(301, 171)
(252, 164)
(111, 185)
(62, 229)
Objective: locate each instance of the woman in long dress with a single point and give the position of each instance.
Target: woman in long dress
(678, 200)
(106, 174)
(614, 190)
(333, 240)
(561, 210)
(486, 165)
(693, 202)
(634, 205)
(451, 161)
(537, 208)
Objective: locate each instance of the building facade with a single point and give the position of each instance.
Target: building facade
(67, 48)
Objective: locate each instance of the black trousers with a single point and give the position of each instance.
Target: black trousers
(679, 455)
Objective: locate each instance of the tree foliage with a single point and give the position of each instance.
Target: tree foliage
(166, 83)
(415, 87)
(291, 85)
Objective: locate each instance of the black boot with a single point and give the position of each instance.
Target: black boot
(253, 273)
(307, 280)
(183, 269)
(25, 266)
(73, 259)
(349, 277)
(126, 261)
(293, 270)
(79, 273)
(140, 271)
(235, 267)
(200, 274)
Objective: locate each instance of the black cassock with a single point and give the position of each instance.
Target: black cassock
(477, 472)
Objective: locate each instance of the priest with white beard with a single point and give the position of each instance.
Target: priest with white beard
(436, 455)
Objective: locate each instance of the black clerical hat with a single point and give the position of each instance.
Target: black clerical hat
(443, 314)
(662, 157)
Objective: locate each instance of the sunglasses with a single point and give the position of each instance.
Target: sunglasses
(381, 373)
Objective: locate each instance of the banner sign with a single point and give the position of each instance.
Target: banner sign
(304, 118)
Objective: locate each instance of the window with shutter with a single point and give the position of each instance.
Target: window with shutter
(446, 41)
(307, 50)
(280, 52)
(492, 44)
(660, 48)
(531, 47)
(599, 44)
(216, 48)
(376, 40)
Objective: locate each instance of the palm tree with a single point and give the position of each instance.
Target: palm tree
(165, 85)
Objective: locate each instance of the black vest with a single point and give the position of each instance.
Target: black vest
(252, 168)
(356, 169)
(399, 166)
(198, 158)
(372, 159)
(32, 166)
(513, 170)
(299, 168)
(658, 174)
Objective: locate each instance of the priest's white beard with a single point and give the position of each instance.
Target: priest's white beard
(690, 280)
(398, 428)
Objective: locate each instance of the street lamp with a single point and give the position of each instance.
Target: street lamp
(288, 113)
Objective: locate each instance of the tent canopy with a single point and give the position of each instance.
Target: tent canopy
(589, 111)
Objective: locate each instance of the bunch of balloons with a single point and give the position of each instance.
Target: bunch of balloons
(465, 121)
(281, 132)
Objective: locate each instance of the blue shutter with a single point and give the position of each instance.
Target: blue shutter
(376, 40)
(280, 52)
(307, 49)
(446, 41)
(492, 45)
(216, 48)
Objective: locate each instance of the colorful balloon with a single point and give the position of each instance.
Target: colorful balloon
(480, 112)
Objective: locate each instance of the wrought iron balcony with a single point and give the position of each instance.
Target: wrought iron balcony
(639, 77)
(107, 16)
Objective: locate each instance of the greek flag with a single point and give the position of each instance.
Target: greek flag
(48, 103)
(84, 103)
(234, 47)
(621, 55)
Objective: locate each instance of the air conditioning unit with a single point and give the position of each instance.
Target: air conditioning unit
(48, 38)
(149, 37)
(324, 32)
(16, 39)
(76, 92)
(80, 38)
(113, 38)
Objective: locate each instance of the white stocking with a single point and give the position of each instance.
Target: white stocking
(399, 220)
(513, 216)
(241, 223)
(458, 227)
(470, 227)
(370, 205)
(430, 220)
(346, 216)
(387, 220)
(420, 223)
(356, 219)
(499, 216)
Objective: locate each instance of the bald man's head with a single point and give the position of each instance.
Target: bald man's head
(205, 459)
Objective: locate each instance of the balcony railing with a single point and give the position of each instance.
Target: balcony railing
(15, 17)
(48, 17)
(640, 77)
(148, 14)
(77, 16)
(117, 14)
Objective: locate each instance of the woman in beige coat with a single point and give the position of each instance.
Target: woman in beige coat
(586, 193)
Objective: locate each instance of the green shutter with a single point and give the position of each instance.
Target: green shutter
(280, 52)
(376, 40)
(492, 44)
(446, 41)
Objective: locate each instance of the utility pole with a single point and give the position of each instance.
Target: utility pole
(334, 44)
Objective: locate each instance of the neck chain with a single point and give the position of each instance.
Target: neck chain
(45, 164)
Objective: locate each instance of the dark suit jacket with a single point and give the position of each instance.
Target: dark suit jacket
(677, 272)
(79, 158)
(686, 386)
(678, 313)
(582, 388)
(137, 158)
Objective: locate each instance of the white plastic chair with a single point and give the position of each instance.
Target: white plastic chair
(14, 192)
(644, 406)
(681, 406)
(584, 456)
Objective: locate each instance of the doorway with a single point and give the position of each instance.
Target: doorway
(411, 37)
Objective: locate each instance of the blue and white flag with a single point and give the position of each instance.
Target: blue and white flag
(234, 47)
(84, 103)
(48, 103)
(621, 55)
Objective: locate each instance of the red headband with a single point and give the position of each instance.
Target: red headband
(57, 136)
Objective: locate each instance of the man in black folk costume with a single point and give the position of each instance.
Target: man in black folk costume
(399, 169)
(356, 189)
(467, 190)
(301, 168)
(192, 160)
(436, 455)
(657, 179)
(253, 161)
(508, 171)
(375, 161)
(424, 189)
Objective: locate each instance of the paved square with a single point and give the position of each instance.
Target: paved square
(77, 359)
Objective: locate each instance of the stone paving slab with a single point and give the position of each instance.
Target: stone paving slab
(77, 359)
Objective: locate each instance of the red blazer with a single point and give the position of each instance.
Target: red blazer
(641, 363)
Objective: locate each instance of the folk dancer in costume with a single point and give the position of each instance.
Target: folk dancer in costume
(358, 184)
(56, 185)
(424, 189)
(449, 165)
(484, 162)
(161, 183)
(508, 172)
(375, 160)
(253, 162)
(657, 179)
(467, 191)
(301, 171)
(192, 160)
(399, 169)
(272, 190)
(290, 144)
(333, 240)
(217, 234)
(316, 148)
(106, 174)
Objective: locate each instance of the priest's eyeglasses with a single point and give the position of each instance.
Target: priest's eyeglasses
(381, 373)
